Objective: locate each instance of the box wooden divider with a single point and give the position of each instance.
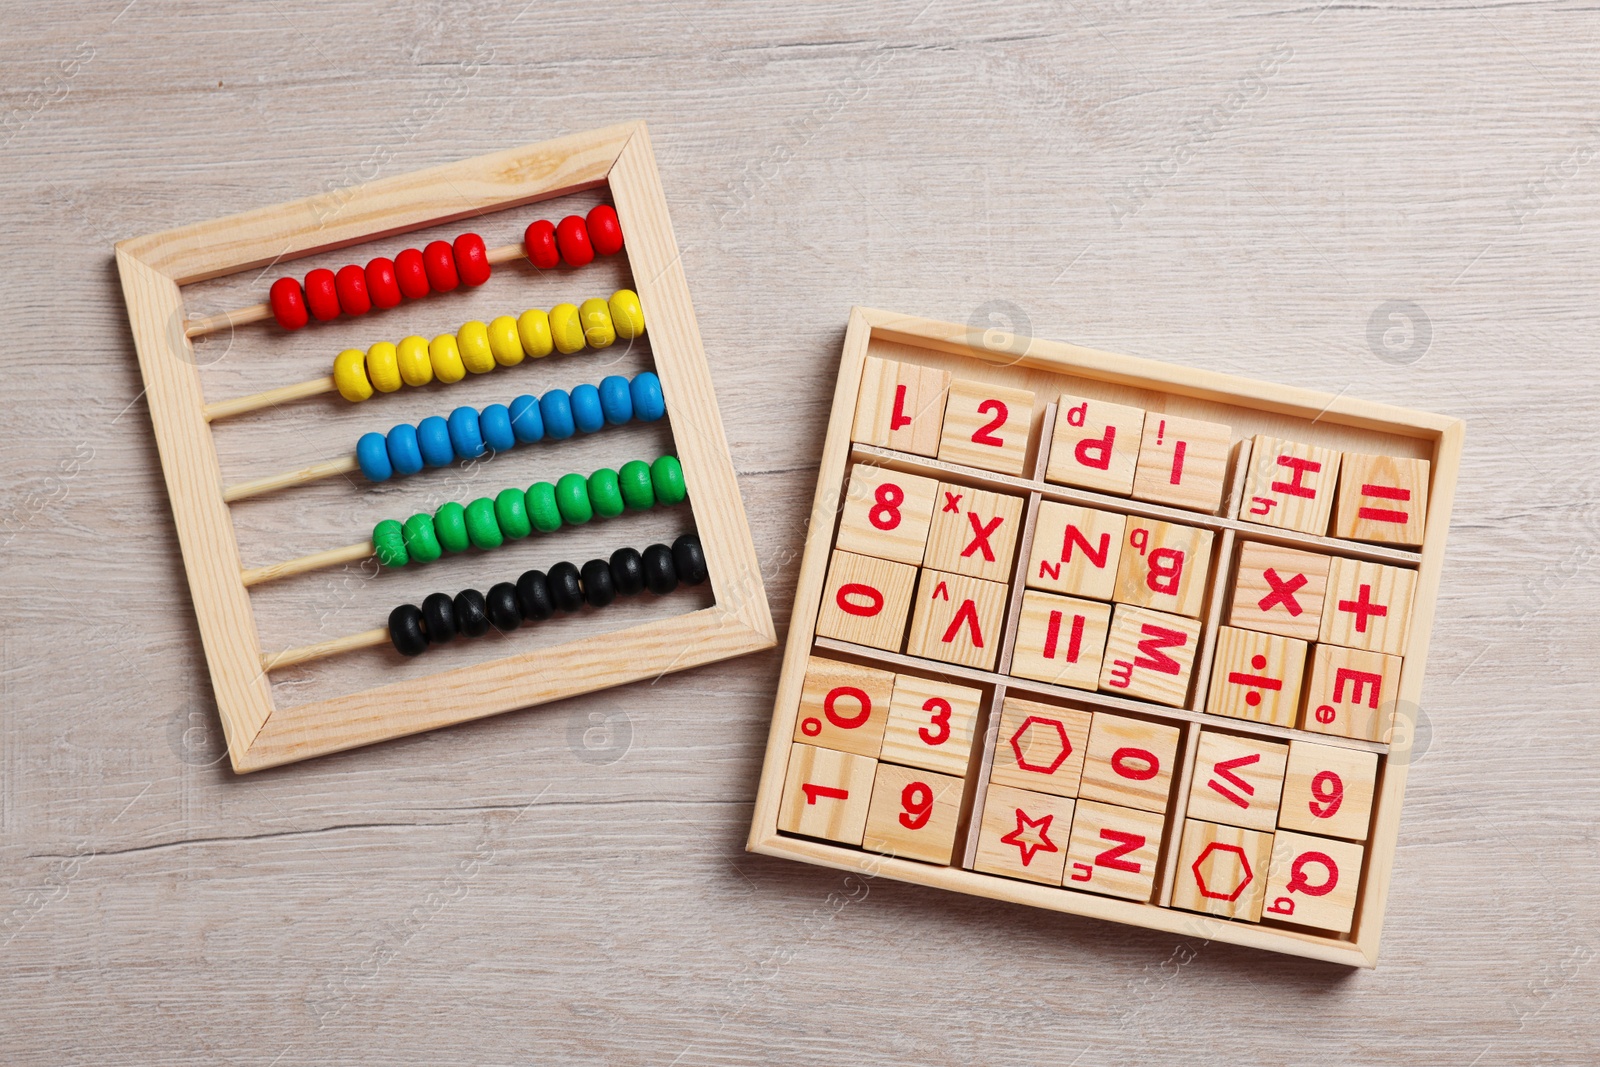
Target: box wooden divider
(924, 360)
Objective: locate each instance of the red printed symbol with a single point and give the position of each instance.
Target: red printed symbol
(985, 434)
(827, 792)
(898, 417)
(1257, 682)
(811, 726)
(1041, 737)
(952, 502)
(1031, 836)
(1384, 492)
(1225, 769)
(1362, 607)
(1220, 866)
(869, 604)
(1301, 468)
(1282, 592)
(980, 536)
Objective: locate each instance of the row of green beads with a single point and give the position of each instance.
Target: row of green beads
(515, 513)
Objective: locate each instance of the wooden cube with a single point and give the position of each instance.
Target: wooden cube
(826, 793)
(1024, 834)
(1313, 881)
(1382, 499)
(1222, 870)
(1280, 590)
(1328, 791)
(931, 724)
(1076, 550)
(1164, 566)
(886, 514)
(913, 814)
(1368, 606)
(1256, 676)
(1095, 445)
(1290, 485)
(843, 706)
(1351, 693)
(987, 426)
(1129, 762)
(1149, 655)
(901, 406)
(1237, 780)
(866, 601)
(1060, 640)
(1040, 747)
(974, 532)
(1182, 462)
(957, 619)
(1113, 850)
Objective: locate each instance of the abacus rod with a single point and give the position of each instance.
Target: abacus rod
(316, 561)
(349, 643)
(315, 472)
(261, 312)
(284, 394)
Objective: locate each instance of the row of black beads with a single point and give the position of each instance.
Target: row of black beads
(537, 596)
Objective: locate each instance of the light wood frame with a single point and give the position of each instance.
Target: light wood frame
(155, 268)
(1438, 438)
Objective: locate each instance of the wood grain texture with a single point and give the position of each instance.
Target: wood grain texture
(1239, 189)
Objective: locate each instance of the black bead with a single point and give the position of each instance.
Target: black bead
(405, 630)
(689, 559)
(598, 588)
(566, 589)
(533, 596)
(472, 615)
(439, 616)
(627, 571)
(503, 611)
(660, 573)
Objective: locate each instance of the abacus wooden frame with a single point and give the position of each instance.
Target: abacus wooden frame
(153, 270)
(1444, 434)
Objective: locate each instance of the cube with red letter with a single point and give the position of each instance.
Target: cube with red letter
(973, 532)
(1095, 445)
(1149, 655)
(1290, 485)
(1237, 780)
(1328, 791)
(987, 426)
(886, 514)
(1164, 566)
(931, 724)
(1182, 462)
(1113, 850)
(826, 793)
(1075, 550)
(1313, 881)
(843, 706)
(865, 600)
(1024, 834)
(901, 406)
(957, 619)
(1351, 693)
(1040, 747)
(1383, 499)
(1129, 762)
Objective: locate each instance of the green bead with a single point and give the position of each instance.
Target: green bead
(389, 541)
(605, 494)
(666, 475)
(421, 540)
(634, 481)
(572, 497)
(450, 523)
(511, 510)
(482, 528)
(542, 509)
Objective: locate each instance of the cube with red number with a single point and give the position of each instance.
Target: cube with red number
(913, 814)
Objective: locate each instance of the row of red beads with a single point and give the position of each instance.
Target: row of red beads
(354, 290)
(573, 240)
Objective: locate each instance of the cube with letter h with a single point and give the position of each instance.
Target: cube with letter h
(1290, 485)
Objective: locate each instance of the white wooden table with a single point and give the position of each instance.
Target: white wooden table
(1392, 201)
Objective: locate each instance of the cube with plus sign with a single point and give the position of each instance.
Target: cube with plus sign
(1368, 606)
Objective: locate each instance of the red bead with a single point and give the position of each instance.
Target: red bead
(411, 274)
(605, 231)
(441, 264)
(472, 259)
(288, 304)
(381, 283)
(540, 243)
(572, 237)
(351, 282)
(322, 295)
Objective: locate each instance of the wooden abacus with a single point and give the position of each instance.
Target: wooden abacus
(1110, 637)
(155, 268)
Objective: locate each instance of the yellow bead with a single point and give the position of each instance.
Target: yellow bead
(503, 341)
(565, 329)
(596, 319)
(533, 330)
(383, 367)
(412, 356)
(473, 339)
(350, 375)
(626, 314)
(446, 359)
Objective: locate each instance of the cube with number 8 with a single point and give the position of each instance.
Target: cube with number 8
(886, 514)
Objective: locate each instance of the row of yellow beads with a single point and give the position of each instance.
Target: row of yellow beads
(480, 347)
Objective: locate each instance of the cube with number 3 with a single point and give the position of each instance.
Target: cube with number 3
(931, 724)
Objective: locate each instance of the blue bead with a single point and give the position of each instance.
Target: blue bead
(433, 437)
(648, 403)
(495, 422)
(464, 433)
(556, 409)
(587, 410)
(372, 456)
(525, 420)
(403, 450)
(614, 399)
